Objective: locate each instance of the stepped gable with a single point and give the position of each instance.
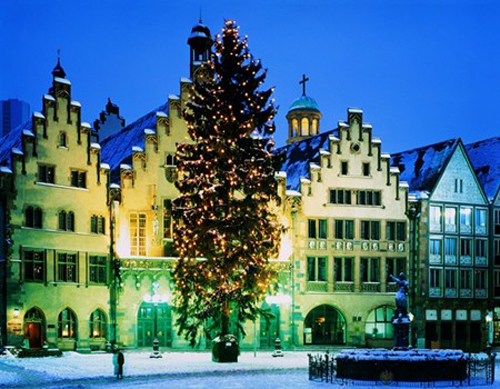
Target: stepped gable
(117, 148)
(298, 156)
(421, 167)
(12, 140)
(485, 158)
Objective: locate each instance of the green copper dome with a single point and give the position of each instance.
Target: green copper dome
(304, 102)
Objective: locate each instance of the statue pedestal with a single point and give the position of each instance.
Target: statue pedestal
(401, 327)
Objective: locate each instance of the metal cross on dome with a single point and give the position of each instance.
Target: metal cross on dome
(303, 82)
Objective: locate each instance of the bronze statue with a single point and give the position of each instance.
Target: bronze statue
(401, 301)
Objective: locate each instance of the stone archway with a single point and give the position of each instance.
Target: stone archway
(34, 327)
(325, 325)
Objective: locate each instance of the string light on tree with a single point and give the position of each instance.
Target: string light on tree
(227, 185)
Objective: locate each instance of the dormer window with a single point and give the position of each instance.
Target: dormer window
(63, 140)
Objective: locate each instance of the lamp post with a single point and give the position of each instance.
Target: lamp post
(279, 299)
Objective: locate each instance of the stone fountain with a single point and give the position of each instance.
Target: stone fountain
(402, 363)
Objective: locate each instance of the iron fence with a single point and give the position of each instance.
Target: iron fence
(480, 371)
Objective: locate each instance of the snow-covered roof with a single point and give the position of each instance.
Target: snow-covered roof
(29, 133)
(62, 80)
(104, 166)
(354, 110)
(421, 167)
(161, 114)
(137, 149)
(38, 115)
(49, 97)
(185, 79)
(485, 158)
(5, 169)
(95, 146)
(173, 97)
(117, 148)
(76, 103)
(86, 125)
(12, 142)
(299, 155)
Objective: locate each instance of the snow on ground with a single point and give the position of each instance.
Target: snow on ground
(75, 366)
(175, 370)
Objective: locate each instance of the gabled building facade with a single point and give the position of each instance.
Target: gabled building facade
(451, 274)
(484, 156)
(345, 210)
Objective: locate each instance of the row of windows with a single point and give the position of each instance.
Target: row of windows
(66, 267)
(451, 220)
(343, 269)
(47, 174)
(344, 229)
(33, 217)
(67, 324)
(468, 247)
(453, 278)
(359, 197)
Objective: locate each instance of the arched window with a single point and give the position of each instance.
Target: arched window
(38, 218)
(71, 221)
(63, 140)
(379, 323)
(304, 126)
(98, 324)
(29, 217)
(63, 221)
(67, 324)
(295, 127)
(314, 127)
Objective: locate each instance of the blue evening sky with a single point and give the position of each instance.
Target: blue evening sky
(423, 71)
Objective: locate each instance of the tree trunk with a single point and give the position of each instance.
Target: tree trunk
(225, 319)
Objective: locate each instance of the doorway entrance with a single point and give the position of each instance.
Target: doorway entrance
(154, 322)
(325, 325)
(270, 328)
(34, 327)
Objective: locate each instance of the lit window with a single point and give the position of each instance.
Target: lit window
(304, 126)
(34, 265)
(66, 267)
(67, 325)
(167, 219)
(379, 323)
(97, 324)
(138, 234)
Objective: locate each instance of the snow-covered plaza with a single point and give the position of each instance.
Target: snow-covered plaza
(174, 370)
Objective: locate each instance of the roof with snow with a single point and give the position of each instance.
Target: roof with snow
(299, 155)
(485, 158)
(118, 148)
(304, 102)
(422, 167)
(12, 140)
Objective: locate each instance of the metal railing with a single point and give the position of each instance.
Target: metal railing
(480, 371)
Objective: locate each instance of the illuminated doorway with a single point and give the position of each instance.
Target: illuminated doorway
(154, 321)
(325, 325)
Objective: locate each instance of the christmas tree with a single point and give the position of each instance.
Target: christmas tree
(226, 229)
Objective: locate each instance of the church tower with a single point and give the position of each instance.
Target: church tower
(200, 42)
(303, 116)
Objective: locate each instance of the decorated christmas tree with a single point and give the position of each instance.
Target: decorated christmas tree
(226, 230)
